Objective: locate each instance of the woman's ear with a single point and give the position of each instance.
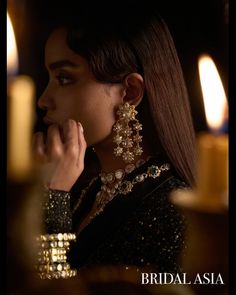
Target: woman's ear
(134, 89)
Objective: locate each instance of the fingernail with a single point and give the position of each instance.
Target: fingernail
(70, 122)
(81, 127)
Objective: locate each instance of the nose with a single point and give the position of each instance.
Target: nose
(46, 100)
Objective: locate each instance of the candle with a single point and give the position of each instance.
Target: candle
(212, 182)
(12, 58)
(20, 116)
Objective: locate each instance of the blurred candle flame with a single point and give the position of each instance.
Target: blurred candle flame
(20, 104)
(215, 101)
(12, 56)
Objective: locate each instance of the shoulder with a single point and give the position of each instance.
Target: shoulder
(159, 198)
(157, 211)
(152, 234)
(157, 220)
(156, 217)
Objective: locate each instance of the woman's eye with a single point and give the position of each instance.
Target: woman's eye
(63, 79)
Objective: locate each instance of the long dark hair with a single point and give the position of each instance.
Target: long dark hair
(142, 43)
(120, 40)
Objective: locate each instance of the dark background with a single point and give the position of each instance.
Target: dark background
(196, 26)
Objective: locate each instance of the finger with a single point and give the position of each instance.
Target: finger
(82, 145)
(70, 133)
(38, 146)
(54, 144)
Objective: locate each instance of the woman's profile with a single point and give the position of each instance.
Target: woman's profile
(115, 91)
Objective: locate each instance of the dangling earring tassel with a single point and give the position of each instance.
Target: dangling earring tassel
(127, 136)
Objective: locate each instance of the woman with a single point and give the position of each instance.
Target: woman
(116, 87)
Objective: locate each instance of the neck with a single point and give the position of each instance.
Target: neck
(109, 162)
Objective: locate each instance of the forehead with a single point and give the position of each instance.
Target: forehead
(56, 49)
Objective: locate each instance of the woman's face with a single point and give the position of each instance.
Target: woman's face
(73, 93)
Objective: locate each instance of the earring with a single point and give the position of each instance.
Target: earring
(127, 135)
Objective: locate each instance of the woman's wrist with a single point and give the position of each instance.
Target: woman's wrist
(56, 210)
(58, 186)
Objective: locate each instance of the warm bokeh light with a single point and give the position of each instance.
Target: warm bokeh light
(20, 99)
(21, 122)
(12, 57)
(215, 101)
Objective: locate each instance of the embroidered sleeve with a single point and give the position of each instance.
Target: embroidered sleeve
(57, 212)
(54, 245)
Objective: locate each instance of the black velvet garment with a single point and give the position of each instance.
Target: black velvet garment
(142, 228)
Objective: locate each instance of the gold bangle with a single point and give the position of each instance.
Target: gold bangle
(57, 237)
(52, 259)
(65, 274)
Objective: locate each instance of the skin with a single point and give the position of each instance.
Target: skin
(81, 112)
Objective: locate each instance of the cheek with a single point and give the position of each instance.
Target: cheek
(94, 101)
(98, 119)
(94, 106)
(97, 115)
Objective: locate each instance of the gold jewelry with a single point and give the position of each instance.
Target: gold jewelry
(52, 259)
(125, 187)
(122, 187)
(111, 181)
(119, 174)
(126, 134)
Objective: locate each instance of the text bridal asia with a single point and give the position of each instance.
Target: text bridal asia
(165, 278)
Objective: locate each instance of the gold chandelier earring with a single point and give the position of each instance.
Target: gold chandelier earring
(127, 135)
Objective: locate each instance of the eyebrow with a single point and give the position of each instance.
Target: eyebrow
(61, 63)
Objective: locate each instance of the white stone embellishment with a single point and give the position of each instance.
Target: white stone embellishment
(154, 171)
(110, 178)
(119, 186)
(125, 187)
(127, 135)
(52, 258)
(118, 151)
(139, 178)
(138, 151)
(128, 157)
(119, 174)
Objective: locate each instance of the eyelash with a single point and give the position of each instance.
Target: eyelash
(60, 77)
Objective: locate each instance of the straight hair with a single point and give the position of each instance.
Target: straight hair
(114, 50)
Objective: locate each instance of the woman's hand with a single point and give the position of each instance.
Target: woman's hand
(62, 154)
